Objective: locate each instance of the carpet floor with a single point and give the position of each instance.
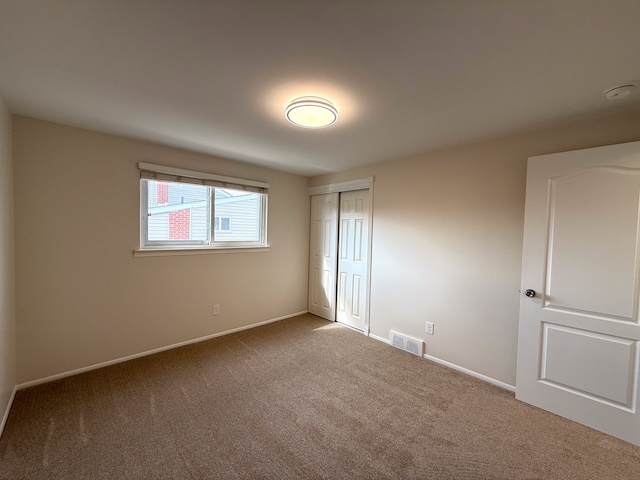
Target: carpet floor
(298, 399)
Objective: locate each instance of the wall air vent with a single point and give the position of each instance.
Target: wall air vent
(408, 344)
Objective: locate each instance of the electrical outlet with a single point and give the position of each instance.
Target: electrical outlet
(216, 309)
(428, 328)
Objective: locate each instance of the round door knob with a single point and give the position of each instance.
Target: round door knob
(530, 293)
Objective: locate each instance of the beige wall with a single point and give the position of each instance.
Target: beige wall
(81, 296)
(446, 248)
(447, 241)
(7, 297)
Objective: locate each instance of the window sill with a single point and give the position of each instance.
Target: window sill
(165, 252)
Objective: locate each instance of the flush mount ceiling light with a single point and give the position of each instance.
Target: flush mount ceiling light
(311, 112)
(620, 91)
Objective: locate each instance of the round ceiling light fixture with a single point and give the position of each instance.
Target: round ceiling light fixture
(620, 91)
(311, 112)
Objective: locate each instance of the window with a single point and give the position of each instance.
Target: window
(184, 209)
(222, 224)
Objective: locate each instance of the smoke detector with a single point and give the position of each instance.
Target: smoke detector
(620, 91)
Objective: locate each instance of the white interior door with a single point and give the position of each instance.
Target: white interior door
(578, 338)
(353, 258)
(323, 263)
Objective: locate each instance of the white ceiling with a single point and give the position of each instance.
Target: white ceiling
(406, 76)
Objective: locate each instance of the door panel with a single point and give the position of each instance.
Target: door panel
(572, 358)
(322, 258)
(593, 240)
(352, 264)
(578, 336)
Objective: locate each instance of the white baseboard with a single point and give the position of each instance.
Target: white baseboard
(380, 339)
(453, 366)
(6, 412)
(477, 375)
(70, 373)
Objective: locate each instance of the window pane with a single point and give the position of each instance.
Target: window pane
(239, 213)
(222, 223)
(177, 212)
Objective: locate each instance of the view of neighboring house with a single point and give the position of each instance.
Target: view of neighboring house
(182, 211)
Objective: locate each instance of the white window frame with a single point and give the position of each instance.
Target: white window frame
(150, 171)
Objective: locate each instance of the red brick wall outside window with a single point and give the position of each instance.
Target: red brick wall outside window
(180, 224)
(162, 193)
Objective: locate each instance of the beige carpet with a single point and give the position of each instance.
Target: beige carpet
(301, 398)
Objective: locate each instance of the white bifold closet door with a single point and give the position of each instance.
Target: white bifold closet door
(352, 258)
(323, 264)
(338, 266)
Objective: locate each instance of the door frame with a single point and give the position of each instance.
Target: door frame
(349, 186)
